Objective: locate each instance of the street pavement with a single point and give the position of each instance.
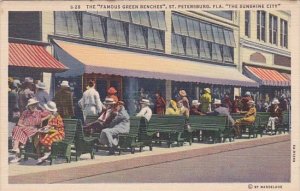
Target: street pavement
(266, 163)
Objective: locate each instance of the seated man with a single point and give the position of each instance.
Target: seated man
(195, 109)
(106, 116)
(248, 119)
(275, 115)
(120, 124)
(145, 111)
(221, 111)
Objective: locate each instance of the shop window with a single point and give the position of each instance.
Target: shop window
(136, 36)
(227, 54)
(283, 33)
(216, 52)
(115, 32)
(155, 40)
(191, 47)
(157, 20)
(261, 25)
(177, 44)
(66, 23)
(120, 15)
(204, 49)
(247, 23)
(273, 28)
(93, 27)
(140, 18)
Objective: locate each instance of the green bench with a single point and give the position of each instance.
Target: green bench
(215, 127)
(249, 129)
(131, 140)
(284, 126)
(169, 128)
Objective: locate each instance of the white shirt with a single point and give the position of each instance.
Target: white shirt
(145, 112)
(91, 98)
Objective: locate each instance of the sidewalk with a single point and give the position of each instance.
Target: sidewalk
(28, 172)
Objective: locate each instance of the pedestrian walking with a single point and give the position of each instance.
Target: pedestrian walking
(205, 100)
(90, 102)
(41, 95)
(64, 100)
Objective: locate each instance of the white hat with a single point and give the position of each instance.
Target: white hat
(29, 79)
(50, 106)
(109, 101)
(41, 85)
(207, 89)
(65, 83)
(195, 102)
(275, 101)
(247, 94)
(32, 101)
(16, 83)
(217, 101)
(145, 101)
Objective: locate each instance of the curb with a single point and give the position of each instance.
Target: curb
(57, 176)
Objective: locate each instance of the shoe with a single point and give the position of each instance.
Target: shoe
(46, 155)
(15, 160)
(17, 150)
(39, 161)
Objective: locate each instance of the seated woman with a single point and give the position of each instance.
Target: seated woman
(173, 109)
(53, 131)
(275, 115)
(27, 126)
(248, 119)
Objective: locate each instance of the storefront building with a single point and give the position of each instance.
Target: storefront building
(265, 53)
(140, 53)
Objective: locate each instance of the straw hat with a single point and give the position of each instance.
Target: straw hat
(207, 90)
(109, 101)
(182, 93)
(196, 102)
(32, 101)
(50, 106)
(145, 101)
(111, 90)
(65, 83)
(40, 85)
(247, 94)
(217, 102)
(275, 101)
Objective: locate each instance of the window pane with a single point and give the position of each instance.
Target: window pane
(151, 41)
(209, 32)
(144, 18)
(140, 36)
(158, 40)
(174, 44)
(135, 15)
(72, 23)
(191, 30)
(183, 26)
(153, 19)
(115, 15)
(197, 29)
(204, 50)
(124, 15)
(216, 34)
(203, 31)
(221, 36)
(92, 27)
(191, 47)
(101, 13)
(216, 52)
(175, 22)
(111, 31)
(177, 44)
(227, 54)
(60, 22)
(87, 22)
(161, 20)
(120, 32)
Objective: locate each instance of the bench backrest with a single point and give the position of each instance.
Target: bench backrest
(91, 118)
(207, 121)
(70, 126)
(263, 117)
(134, 125)
(166, 122)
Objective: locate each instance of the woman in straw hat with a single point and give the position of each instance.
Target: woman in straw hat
(53, 131)
(183, 103)
(249, 118)
(27, 126)
(173, 109)
(205, 100)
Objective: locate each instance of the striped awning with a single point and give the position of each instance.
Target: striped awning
(287, 76)
(33, 56)
(82, 59)
(267, 77)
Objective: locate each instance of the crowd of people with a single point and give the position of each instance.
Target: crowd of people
(34, 115)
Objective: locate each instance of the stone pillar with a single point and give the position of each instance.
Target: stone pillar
(168, 94)
(130, 94)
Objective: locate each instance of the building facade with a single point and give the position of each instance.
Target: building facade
(265, 54)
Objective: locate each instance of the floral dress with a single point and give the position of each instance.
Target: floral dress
(56, 132)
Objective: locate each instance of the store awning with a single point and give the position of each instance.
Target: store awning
(33, 56)
(287, 76)
(92, 59)
(267, 77)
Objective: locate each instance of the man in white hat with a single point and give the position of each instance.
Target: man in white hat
(90, 102)
(275, 115)
(106, 116)
(195, 110)
(145, 109)
(205, 100)
(221, 111)
(64, 100)
(41, 94)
